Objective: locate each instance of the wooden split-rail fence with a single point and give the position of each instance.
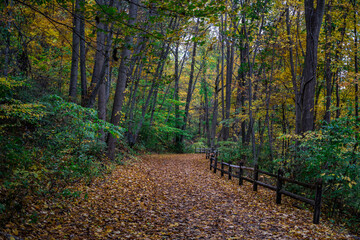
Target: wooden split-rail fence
(203, 150)
(237, 171)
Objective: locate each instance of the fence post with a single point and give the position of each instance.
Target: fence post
(317, 206)
(215, 167)
(230, 171)
(211, 161)
(240, 174)
(256, 177)
(222, 168)
(279, 186)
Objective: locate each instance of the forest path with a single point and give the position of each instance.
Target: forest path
(177, 197)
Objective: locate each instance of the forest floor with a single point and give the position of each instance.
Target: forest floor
(172, 197)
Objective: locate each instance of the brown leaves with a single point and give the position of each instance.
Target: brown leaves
(174, 197)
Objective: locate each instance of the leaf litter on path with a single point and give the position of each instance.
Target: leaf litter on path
(173, 196)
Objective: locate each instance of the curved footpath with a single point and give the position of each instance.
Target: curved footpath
(175, 197)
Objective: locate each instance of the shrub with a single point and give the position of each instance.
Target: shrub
(46, 146)
(331, 154)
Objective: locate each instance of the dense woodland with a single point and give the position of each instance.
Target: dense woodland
(86, 84)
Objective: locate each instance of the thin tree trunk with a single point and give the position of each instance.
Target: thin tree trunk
(222, 68)
(206, 104)
(215, 107)
(268, 105)
(318, 89)
(293, 76)
(190, 90)
(229, 73)
(153, 108)
(337, 59)
(242, 84)
(75, 53)
(283, 131)
(8, 42)
(121, 81)
(178, 146)
(94, 89)
(356, 66)
(99, 61)
(102, 107)
(82, 56)
(328, 72)
(337, 101)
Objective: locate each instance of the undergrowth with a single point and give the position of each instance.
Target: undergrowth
(46, 145)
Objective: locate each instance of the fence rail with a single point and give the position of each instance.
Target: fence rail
(237, 171)
(202, 150)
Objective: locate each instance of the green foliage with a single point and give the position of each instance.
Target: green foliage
(196, 145)
(8, 85)
(45, 146)
(159, 137)
(230, 151)
(331, 154)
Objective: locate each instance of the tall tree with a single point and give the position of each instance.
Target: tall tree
(215, 105)
(356, 62)
(327, 70)
(122, 77)
(229, 74)
(82, 53)
(176, 97)
(75, 52)
(190, 85)
(313, 19)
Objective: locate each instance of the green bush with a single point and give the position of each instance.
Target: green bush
(233, 152)
(46, 146)
(331, 154)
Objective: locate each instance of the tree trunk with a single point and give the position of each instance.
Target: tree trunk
(356, 67)
(268, 105)
(313, 19)
(206, 103)
(99, 60)
(153, 106)
(121, 81)
(82, 56)
(337, 59)
(178, 146)
(189, 91)
(293, 75)
(229, 73)
(337, 101)
(222, 68)
(75, 53)
(318, 89)
(102, 107)
(328, 72)
(8, 41)
(215, 107)
(242, 78)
